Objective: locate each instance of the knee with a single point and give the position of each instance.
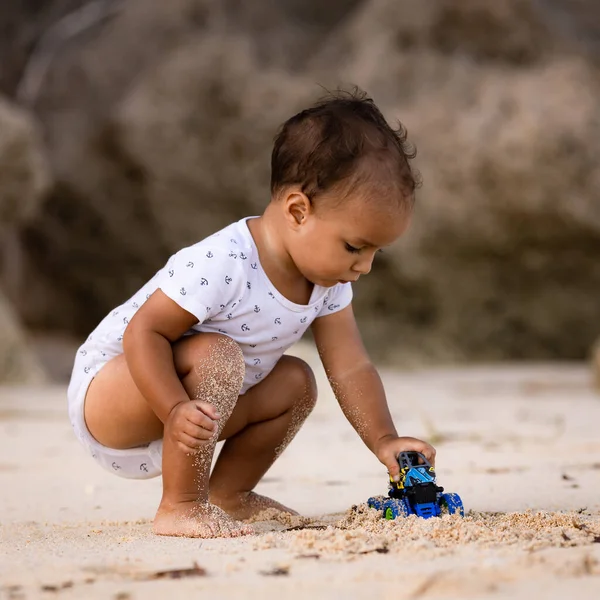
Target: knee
(216, 363)
(301, 379)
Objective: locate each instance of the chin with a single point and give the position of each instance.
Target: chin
(327, 282)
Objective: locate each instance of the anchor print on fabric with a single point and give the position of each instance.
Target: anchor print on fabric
(228, 279)
(245, 327)
(277, 321)
(171, 272)
(182, 291)
(209, 254)
(256, 308)
(243, 256)
(144, 467)
(333, 306)
(254, 266)
(190, 265)
(203, 281)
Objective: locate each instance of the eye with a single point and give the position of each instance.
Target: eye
(352, 249)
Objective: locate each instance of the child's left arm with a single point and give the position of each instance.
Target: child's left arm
(359, 391)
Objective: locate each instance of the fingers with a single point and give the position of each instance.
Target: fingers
(428, 452)
(194, 425)
(190, 444)
(208, 409)
(393, 468)
(201, 419)
(388, 454)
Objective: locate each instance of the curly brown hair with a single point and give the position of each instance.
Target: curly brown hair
(343, 141)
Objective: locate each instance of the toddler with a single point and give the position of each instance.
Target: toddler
(197, 354)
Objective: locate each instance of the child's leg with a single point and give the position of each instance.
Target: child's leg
(211, 368)
(263, 423)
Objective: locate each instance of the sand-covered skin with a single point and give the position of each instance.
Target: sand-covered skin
(519, 444)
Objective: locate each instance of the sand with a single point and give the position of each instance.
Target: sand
(520, 444)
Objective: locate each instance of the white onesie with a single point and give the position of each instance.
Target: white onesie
(221, 282)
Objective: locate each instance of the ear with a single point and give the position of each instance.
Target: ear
(297, 208)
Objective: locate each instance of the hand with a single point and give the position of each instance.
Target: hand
(193, 424)
(389, 447)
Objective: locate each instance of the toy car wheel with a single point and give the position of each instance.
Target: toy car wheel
(375, 502)
(392, 509)
(452, 504)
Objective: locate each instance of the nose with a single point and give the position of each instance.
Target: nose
(363, 265)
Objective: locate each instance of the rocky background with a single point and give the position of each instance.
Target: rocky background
(129, 128)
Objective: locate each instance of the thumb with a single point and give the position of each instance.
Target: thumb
(208, 409)
(391, 462)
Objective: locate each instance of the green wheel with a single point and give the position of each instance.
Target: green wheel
(393, 508)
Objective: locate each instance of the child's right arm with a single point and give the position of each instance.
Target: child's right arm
(147, 345)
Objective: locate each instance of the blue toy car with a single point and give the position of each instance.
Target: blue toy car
(416, 492)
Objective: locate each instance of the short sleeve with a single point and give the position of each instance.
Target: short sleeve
(337, 298)
(202, 280)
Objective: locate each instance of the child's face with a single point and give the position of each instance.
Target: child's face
(338, 244)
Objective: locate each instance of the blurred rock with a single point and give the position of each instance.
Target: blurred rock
(24, 173)
(24, 177)
(201, 125)
(595, 360)
(96, 239)
(22, 25)
(17, 363)
(578, 21)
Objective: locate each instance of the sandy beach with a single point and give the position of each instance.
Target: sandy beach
(520, 444)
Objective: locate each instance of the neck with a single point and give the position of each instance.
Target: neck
(274, 257)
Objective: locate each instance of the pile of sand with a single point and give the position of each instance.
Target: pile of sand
(362, 530)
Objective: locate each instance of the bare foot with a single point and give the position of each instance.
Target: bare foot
(197, 519)
(248, 504)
